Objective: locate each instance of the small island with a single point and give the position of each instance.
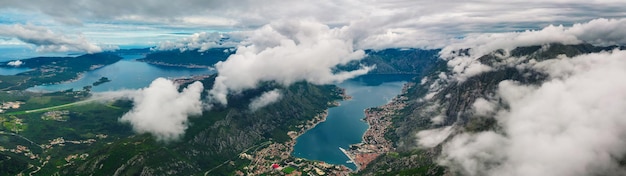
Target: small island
(101, 81)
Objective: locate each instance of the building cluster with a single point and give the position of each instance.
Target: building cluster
(69, 158)
(24, 150)
(293, 166)
(61, 142)
(374, 142)
(61, 116)
(20, 149)
(276, 159)
(10, 105)
(13, 124)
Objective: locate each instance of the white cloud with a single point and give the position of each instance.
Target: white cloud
(466, 67)
(483, 107)
(161, 110)
(474, 154)
(203, 41)
(265, 99)
(46, 40)
(287, 52)
(438, 119)
(433, 137)
(16, 63)
(570, 125)
(376, 24)
(599, 32)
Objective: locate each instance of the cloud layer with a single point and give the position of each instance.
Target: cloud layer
(161, 110)
(381, 24)
(600, 32)
(46, 40)
(287, 52)
(570, 125)
(203, 41)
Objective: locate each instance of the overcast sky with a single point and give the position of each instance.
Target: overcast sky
(391, 23)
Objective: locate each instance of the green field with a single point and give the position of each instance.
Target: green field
(288, 170)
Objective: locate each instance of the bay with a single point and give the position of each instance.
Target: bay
(124, 74)
(344, 124)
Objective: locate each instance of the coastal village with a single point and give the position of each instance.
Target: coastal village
(268, 158)
(374, 142)
(276, 159)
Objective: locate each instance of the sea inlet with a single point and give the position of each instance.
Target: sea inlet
(344, 124)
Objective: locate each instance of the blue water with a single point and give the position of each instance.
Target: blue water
(12, 71)
(125, 74)
(344, 125)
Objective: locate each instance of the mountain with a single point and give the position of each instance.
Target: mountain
(215, 137)
(440, 101)
(86, 139)
(437, 103)
(188, 58)
(387, 61)
(396, 61)
(50, 70)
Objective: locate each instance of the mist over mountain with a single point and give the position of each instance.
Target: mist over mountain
(536, 108)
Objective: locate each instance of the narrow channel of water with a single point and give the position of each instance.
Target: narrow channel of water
(124, 74)
(344, 124)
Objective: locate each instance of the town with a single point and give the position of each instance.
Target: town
(374, 142)
(10, 105)
(276, 159)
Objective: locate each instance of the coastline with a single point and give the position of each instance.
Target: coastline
(281, 153)
(373, 142)
(319, 118)
(174, 65)
(78, 77)
(351, 159)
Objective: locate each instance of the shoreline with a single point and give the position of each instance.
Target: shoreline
(174, 65)
(281, 153)
(79, 76)
(373, 142)
(319, 118)
(351, 159)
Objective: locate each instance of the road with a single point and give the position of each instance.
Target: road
(53, 107)
(14, 134)
(246, 150)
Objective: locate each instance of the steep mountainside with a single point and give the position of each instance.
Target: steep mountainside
(448, 106)
(396, 61)
(388, 61)
(218, 136)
